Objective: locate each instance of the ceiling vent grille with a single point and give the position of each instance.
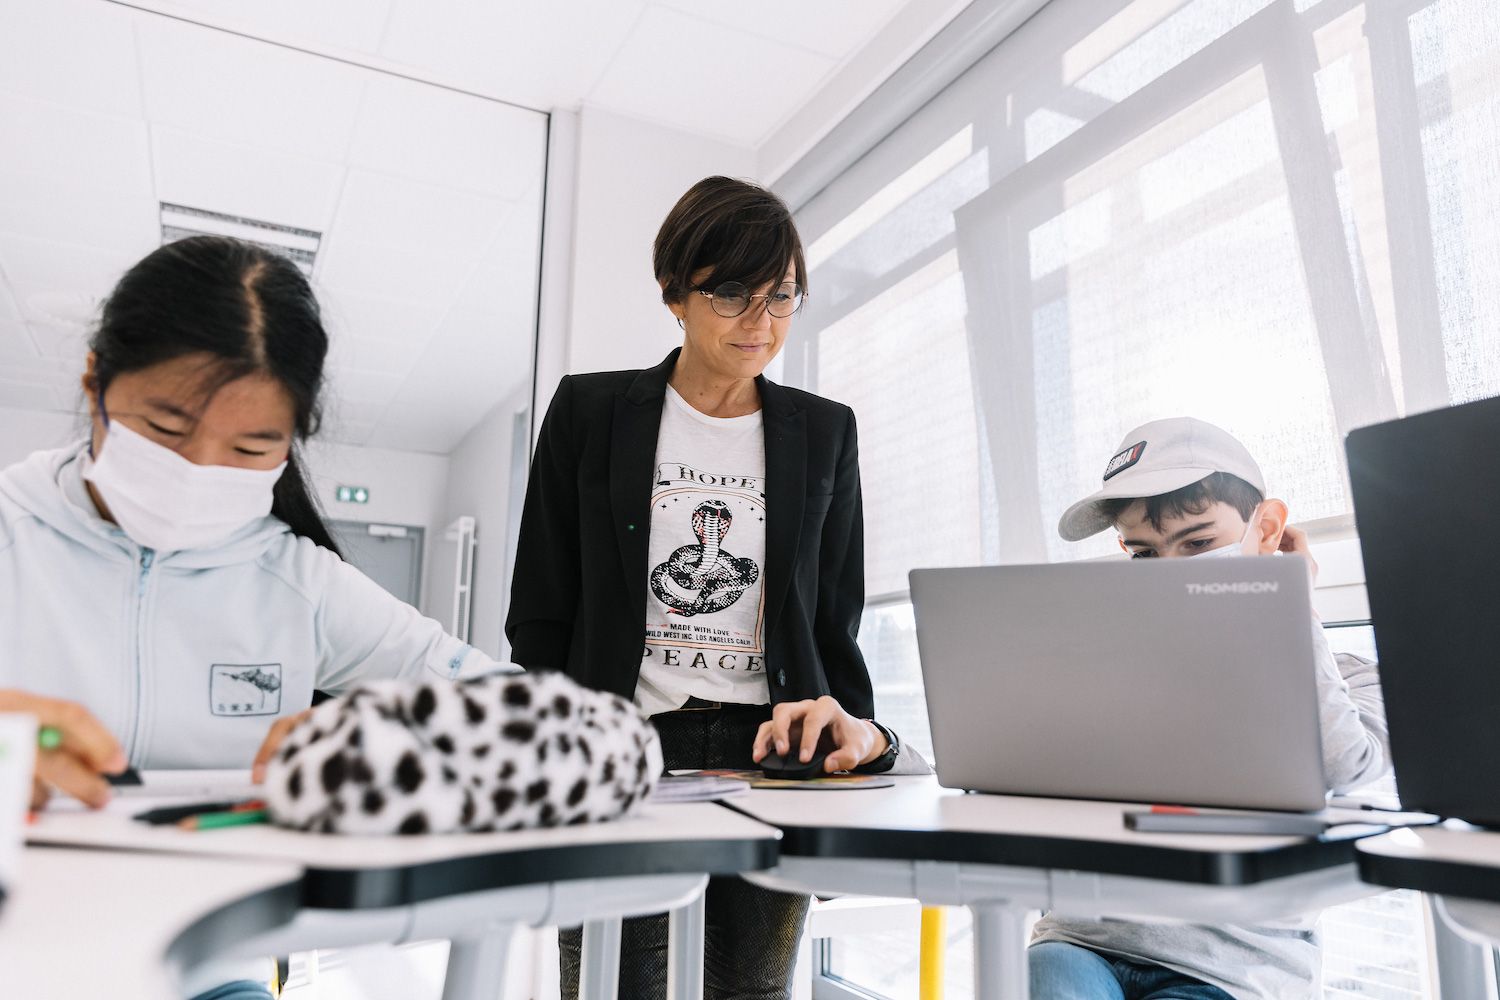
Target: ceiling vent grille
(300, 246)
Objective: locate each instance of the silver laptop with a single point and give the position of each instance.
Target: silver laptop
(1180, 681)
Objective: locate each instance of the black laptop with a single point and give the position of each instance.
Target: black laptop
(1427, 501)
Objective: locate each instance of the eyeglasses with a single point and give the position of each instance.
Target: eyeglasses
(732, 298)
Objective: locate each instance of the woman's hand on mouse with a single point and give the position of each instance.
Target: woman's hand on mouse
(855, 741)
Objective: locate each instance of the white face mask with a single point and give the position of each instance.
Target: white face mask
(163, 501)
(1233, 548)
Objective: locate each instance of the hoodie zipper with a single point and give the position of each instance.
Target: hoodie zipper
(148, 557)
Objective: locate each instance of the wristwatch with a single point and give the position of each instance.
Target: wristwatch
(886, 760)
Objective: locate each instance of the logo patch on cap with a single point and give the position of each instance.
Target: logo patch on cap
(1124, 460)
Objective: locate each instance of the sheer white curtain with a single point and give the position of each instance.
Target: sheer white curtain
(1283, 217)
(1279, 216)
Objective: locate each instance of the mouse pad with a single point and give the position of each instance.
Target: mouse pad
(832, 781)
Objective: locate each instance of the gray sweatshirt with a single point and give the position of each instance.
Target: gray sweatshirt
(1275, 960)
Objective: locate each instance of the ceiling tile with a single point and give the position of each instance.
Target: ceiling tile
(15, 343)
(67, 206)
(348, 268)
(376, 334)
(58, 282)
(19, 354)
(540, 55)
(9, 308)
(422, 428)
(348, 25)
(834, 28)
(41, 139)
(448, 138)
(76, 53)
(348, 432)
(495, 362)
(25, 395)
(344, 412)
(218, 85)
(70, 399)
(354, 386)
(734, 92)
(381, 210)
(62, 342)
(84, 177)
(508, 269)
(244, 180)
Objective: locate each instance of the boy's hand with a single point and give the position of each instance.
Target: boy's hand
(273, 739)
(87, 751)
(1294, 543)
(855, 741)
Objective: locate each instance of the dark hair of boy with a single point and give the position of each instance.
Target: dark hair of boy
(1193, 499)
(252, 311)
(740, 230)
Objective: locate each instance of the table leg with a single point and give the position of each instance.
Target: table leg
(476, 965)
(685, 951)
(599, 978)
(999, 952)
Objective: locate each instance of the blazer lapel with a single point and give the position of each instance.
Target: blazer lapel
(633, 435)
(785, 429)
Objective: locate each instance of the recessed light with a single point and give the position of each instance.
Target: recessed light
(300, 246)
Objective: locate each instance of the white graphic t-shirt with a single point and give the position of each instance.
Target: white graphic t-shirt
(705, 607)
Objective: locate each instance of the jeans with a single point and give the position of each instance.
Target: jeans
(240, 989)
(749, 946)
(1061, 971)
(750, 934)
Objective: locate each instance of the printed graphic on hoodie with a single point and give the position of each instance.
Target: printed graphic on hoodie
(708, 543)
(245, 688)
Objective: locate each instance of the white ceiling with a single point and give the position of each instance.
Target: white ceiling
(724, 68)
(428, 198)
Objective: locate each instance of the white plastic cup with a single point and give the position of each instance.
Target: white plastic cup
(17, 763)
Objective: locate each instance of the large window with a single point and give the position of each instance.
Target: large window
(1277, 216)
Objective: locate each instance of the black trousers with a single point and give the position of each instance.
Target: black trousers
(751, 934)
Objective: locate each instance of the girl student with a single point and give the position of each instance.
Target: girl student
(170, 574)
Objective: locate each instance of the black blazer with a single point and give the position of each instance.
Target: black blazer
(578, 597)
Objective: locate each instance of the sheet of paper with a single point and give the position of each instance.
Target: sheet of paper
(169, 788)
(192, 785)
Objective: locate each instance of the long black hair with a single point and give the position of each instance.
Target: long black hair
(249, 308)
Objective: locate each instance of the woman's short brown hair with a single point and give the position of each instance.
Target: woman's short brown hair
(739, 229)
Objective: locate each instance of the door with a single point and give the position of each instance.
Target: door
(389, 554)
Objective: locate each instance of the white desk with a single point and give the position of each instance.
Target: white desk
(95, 924)
(473, 889)
(1004, 856)
(1457, 865)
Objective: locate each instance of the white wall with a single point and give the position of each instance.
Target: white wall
(629, 175)
(479, 477)
(912, 26)
(25, 431)
(406, 488)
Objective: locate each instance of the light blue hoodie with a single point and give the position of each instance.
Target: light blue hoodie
(188, 657)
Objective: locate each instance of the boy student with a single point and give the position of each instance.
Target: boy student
(1183, 487)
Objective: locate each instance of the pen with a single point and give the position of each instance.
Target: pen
(175, 814)
(219, 820)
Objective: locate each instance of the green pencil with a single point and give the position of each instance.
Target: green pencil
(219, 820)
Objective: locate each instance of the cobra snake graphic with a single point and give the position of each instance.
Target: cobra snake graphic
(704, 578)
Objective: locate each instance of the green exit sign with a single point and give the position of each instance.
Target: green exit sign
(353, 494)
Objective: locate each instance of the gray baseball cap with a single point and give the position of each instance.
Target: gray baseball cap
(1157, 458)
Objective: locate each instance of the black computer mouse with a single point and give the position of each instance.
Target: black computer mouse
(790, 768)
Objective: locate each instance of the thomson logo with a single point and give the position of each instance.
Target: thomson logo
(1243, 587)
